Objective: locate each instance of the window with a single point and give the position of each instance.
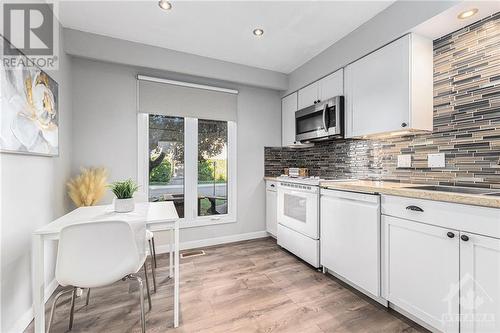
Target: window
(166, 160)
(212, 167)
(191, 162)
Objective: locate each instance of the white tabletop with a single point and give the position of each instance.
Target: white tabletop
(149, 212)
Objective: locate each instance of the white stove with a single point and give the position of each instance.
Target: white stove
(298, 216)
(312, 181)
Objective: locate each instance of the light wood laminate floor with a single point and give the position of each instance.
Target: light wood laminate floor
(251, 286)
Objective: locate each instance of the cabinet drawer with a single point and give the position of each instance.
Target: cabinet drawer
(479, 220)
(271, 185)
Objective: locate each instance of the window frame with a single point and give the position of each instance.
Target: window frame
(191, 218)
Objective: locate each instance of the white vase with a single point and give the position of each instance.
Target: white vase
(124, 205)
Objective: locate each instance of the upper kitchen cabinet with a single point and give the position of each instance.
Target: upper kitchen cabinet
(331, 85)
(391, 89)
(309, 95)
(328, 87)
(288, 108)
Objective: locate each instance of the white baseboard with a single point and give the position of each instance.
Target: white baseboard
(214, 241)
(23, 322)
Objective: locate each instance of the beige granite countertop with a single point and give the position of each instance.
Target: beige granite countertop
(401, 189)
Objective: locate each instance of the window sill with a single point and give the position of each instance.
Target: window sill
(206, 221)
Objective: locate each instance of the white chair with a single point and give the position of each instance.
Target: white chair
(86, 258)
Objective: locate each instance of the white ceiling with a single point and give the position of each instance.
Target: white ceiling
(447, 22)
(295, 31)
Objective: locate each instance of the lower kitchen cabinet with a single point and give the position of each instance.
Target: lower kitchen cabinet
(350, 238)
(421, 272)
(480, 283)
(271, 208)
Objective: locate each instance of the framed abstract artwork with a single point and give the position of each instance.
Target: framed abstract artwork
(29, 115)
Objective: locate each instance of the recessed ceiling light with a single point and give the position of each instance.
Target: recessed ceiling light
(468, 13)
(258, 32)
(165, 5)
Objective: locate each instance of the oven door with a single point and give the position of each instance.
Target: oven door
(298, 207)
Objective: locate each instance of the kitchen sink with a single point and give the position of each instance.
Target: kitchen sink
(456, 189)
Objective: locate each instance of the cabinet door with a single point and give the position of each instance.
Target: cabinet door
(288, 108)
(421, 266)
(479, 283)
(350, 237)
(271, 212)
(308, 95)
(332, 85)
(377, 91)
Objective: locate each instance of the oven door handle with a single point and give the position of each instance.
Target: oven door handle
(324, 116)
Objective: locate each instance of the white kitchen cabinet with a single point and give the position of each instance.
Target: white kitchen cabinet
(421, 267)
(480, 283)
(288, 108)
(308, 95)
(321, 90)
(271, 208)
(391, 89)
(331, 85)
(350, 238)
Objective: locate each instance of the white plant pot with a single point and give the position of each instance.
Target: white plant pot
(124, 205)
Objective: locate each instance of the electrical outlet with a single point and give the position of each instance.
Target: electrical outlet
(436, 160)
(404, 161)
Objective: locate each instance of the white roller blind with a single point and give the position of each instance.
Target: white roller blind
(174, 98)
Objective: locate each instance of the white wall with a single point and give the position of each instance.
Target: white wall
(105, 134)
(92, 46)
(33, 193)
(393, 22)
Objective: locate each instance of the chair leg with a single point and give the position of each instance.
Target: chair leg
(88, 297)
(54, 304)
(170, 254)
(72, 311)
(147, 285)
(153, 264)
(154, 252)
(141, 297)
(153, 272)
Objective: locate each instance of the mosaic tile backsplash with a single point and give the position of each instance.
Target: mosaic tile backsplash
(466, 124)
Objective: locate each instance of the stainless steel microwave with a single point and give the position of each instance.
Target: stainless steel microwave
(320, 121)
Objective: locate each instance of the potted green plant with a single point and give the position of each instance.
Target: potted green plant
(124, 192)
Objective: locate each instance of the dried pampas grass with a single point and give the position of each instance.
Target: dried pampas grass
(88, 188)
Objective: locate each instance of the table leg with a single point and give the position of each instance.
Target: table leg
(176, 273)
(171, 242)
(38, 283)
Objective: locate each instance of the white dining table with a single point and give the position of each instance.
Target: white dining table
(158, 216)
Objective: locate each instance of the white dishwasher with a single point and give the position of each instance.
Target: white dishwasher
(350, 239)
